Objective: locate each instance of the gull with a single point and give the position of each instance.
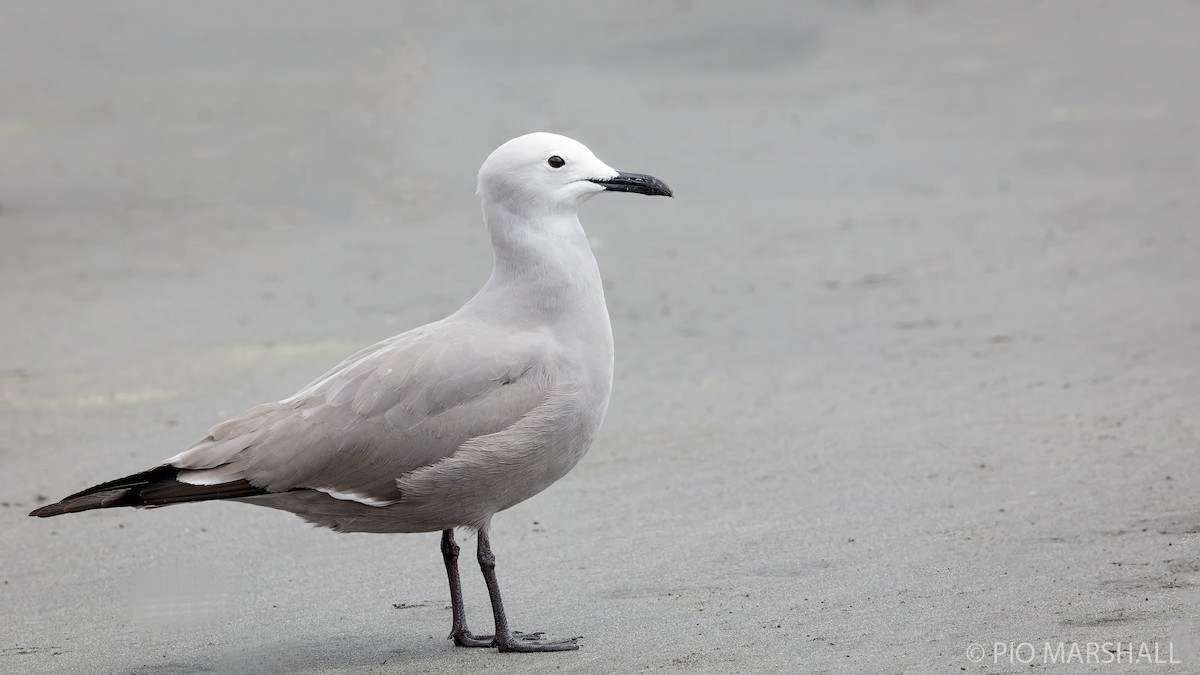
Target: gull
(447, 424)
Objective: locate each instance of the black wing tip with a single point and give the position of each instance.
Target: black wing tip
(55, 509)
(119, 492)
(156, 487)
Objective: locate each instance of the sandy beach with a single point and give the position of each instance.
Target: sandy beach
(908, 373)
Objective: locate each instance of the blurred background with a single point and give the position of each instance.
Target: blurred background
(911, 362)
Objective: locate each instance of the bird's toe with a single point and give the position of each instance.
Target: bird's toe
(533, 642)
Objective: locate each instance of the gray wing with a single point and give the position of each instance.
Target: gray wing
(402, 404)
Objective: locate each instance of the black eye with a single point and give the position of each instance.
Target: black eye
(555, 162)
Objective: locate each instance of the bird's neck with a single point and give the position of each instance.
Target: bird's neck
(545, 270)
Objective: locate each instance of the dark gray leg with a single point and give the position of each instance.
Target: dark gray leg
(506, 639)
(458, 629)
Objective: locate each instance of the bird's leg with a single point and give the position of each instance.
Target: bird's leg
(459, 632)
(506, 639)
(458, 629)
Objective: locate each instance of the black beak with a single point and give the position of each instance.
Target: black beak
(635, 182)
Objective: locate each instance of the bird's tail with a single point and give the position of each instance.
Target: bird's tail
(156, 487)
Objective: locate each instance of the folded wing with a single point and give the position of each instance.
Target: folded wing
(402, 404)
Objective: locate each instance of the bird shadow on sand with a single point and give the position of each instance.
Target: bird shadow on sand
(331, 653)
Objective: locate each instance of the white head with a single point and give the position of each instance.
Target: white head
(542, 172)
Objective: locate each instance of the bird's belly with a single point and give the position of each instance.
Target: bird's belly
(495, 472)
